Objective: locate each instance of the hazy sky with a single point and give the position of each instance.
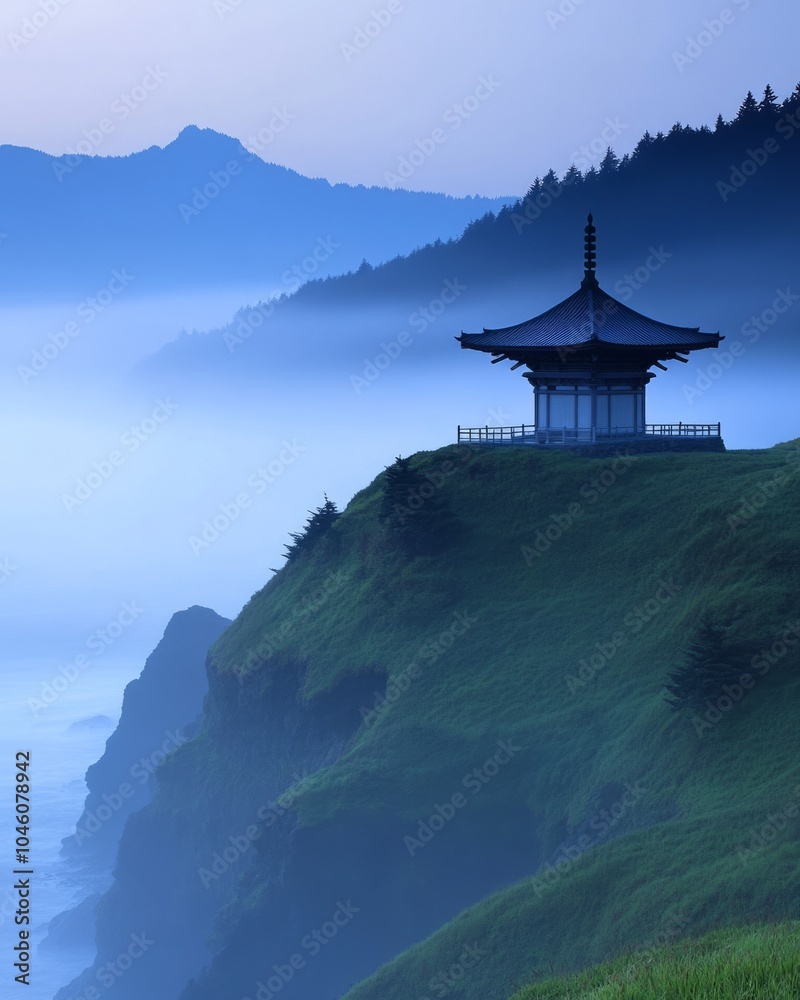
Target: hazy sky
(346, 90)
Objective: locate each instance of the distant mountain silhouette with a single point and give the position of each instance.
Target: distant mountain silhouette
(202, 211)
(717, 209)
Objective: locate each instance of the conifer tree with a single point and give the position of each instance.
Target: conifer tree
(769, 102)
(413, 509)
(550, 180)
(709, 662)
(609, 163)
(748, 108)
(792, 102)
(320, 521)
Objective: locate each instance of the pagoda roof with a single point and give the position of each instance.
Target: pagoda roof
(589, 317)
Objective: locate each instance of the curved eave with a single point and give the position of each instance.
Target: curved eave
(517, 352)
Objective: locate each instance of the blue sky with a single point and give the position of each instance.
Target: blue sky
(348, 90)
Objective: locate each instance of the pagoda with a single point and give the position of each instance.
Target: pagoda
(589, 361)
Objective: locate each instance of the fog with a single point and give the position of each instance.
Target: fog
(168, 484)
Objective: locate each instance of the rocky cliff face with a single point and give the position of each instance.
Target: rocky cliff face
(227, 898)
(157, 708)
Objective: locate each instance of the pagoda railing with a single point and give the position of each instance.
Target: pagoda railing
(529, 434)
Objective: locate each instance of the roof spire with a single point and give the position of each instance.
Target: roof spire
(590, 256)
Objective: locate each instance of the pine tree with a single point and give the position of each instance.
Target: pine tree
(769, 102)
(320, 521)
(399, 481)
(413, 510)
(748, 108)
(643, 145)
(550, 180)
(709, 662)
(792, 102)
(572, 175)
(535, 188)
(720, 124)
(609, 163)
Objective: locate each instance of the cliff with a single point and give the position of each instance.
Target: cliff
(456, 754)
(157, 708)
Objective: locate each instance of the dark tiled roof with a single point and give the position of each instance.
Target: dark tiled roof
(589, 316)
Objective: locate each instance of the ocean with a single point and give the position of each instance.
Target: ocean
(45, 714)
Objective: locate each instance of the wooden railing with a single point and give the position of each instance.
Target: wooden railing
(528, 434)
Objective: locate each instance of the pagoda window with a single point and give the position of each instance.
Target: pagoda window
(563, 409)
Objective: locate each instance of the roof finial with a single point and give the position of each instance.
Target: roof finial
(590, 256)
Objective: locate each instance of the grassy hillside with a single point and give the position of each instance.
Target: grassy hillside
(750, 964)
(546, 627)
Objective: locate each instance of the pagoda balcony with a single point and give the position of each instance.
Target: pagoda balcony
(528, 434)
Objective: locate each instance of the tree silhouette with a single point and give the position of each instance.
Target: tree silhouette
(792, 102)
(413, 509)
(318, 524)
(710, 661)
(748, 108)
(610, 162)
(769, 102)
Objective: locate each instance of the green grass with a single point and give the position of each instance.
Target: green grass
(357, 605)
(759, 963)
